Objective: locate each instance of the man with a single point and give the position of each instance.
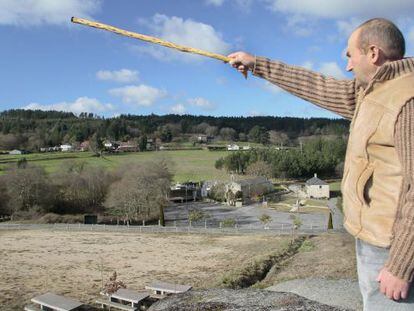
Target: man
(377, 185)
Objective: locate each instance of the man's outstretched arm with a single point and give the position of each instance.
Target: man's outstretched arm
(338, 96)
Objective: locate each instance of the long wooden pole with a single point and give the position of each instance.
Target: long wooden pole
(146, 38)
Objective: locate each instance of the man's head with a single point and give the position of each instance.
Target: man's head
(372, 44)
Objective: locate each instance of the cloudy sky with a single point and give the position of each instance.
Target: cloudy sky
(48, 63)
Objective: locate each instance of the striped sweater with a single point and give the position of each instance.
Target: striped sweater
(339, 96)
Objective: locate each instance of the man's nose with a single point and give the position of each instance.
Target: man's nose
(349, 66)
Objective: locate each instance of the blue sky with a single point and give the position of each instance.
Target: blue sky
(48, 63)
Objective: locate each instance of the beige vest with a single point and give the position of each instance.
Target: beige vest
(372, 179)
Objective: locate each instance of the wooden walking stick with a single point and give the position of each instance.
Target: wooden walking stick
(146, 38)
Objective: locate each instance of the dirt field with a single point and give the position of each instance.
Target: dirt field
(74, 263)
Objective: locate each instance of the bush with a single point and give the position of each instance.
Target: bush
(228, 223)
(195, 215)
(307, 246)
(217, 193)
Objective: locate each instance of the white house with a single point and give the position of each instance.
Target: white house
(15, 152)
(317, 188)
(243, 190)
(233, 147)
(66, 148)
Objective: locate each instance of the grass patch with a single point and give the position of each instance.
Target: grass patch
(188, 165)
(307, 246)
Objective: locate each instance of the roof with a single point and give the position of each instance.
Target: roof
(315, 181)
(129, 295)
(168, 287)
(56, 302)
(252, 181)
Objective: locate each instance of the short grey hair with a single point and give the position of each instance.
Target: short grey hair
(385, 34)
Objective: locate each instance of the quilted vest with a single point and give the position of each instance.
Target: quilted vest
(372, 179)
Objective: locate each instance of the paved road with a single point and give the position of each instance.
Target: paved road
(338, 293)
(246, 216)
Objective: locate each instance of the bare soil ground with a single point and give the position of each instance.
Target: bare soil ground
(75, 263)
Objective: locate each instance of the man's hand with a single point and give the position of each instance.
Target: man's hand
(242, 61)
(391, 286)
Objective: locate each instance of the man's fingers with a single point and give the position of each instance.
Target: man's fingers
(396, 295)
(232, 55)
(390, 293)
(404, 294)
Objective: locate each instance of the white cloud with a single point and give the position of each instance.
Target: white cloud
(215, 2)
(333, 70)
(202, 103)
(82, 104)
(38, 12)
(184, 32)
(346, 27)
(122, 76)
(178, 109)
(300, 25)
(140, 95)
(343, 8)
(302, 16)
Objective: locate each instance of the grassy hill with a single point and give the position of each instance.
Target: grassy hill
(187, 164)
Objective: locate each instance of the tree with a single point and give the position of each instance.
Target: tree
(29, 190)
(81, 189)
(141, 191)
(142, 143)
(278, 138)
(330, 223)
(259, 134)
(96, 144)
(165, 134)
(4, 197)
(227, 133)
(260, 168)
(265, 219)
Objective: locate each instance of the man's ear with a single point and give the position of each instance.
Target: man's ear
(374, 54)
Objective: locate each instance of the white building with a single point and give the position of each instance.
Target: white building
(66, 148)
(317, 188)
(16, 152)
(233, 147)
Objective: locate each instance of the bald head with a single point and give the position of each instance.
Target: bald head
(383, 34)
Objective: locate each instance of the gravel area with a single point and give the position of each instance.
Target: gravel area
(338, 293)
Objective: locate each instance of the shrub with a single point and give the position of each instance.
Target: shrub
(228, 223)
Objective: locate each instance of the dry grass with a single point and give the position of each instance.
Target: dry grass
(71, 263)
(332, 255)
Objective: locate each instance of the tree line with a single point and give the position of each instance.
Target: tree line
(321, 156)
(33, 129)
(134, 192)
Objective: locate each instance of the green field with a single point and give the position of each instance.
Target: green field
(194, 165)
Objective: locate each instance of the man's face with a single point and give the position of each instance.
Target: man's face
(358, 61)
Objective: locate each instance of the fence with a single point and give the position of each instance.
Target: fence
(274, 230)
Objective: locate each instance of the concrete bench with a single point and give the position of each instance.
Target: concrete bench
(104, 302)
(52, 301)
(32, 308)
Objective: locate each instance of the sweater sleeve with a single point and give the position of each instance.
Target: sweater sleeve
(338, 96)
(401, 259)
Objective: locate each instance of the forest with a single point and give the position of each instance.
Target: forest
(33, 129)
